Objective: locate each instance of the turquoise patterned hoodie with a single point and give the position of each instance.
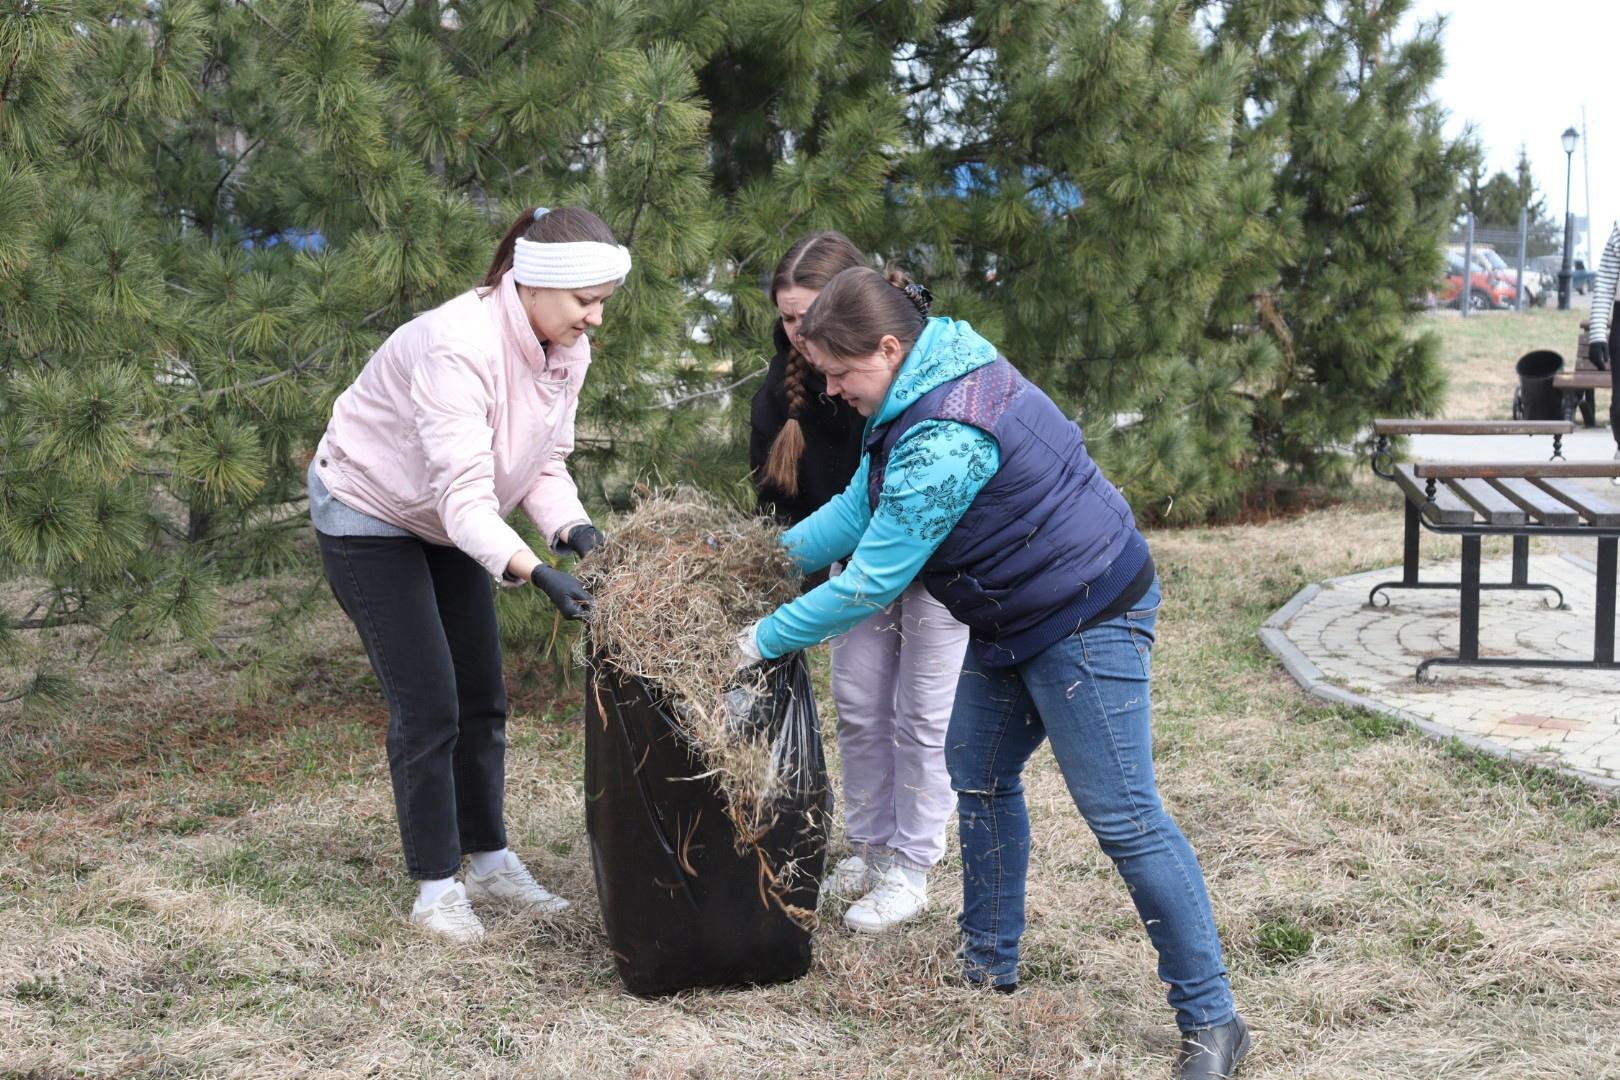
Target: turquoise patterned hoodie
(935, 471)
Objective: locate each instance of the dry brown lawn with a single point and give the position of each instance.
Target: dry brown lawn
(194, 888)
(1480, 351)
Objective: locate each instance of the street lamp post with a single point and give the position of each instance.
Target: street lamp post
(1569, 139)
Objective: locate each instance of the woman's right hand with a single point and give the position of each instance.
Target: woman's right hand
(748, 652)
(564, 589)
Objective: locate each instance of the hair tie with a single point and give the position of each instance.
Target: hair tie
(919, 296)
(541, 211)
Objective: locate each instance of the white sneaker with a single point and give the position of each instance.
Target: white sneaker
(514, 886)
(852, 877)
(895, 900)
(451, 916)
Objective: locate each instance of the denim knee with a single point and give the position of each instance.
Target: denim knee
(975, 784)
(1124, 836)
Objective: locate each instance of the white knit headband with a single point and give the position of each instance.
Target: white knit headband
(576, 265)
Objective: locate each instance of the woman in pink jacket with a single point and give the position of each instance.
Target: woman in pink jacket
(461, 416)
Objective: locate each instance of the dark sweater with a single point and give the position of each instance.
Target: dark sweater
(832, 439)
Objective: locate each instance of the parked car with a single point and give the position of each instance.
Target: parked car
(1486, 291)
(1580, 278)
(1534, 286)
(1489, 261)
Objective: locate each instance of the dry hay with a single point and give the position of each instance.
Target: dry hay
(1461, 917)
(672, 586)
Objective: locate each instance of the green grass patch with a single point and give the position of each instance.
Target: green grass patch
(1282, 941)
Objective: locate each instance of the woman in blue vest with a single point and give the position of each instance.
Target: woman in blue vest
(975, 482)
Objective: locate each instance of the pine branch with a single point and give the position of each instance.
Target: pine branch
(943, 72)
(213, 196)
(716, 392)
(51, 622)
(11, 77)
(645, 198)
(300, 367)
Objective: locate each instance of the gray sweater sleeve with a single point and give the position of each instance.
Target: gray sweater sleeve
(1603, 289)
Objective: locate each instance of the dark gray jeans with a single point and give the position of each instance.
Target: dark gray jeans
(426, 614)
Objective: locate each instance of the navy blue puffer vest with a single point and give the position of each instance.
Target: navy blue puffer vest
(1048, 542)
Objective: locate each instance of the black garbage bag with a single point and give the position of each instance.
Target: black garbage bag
(683, 903)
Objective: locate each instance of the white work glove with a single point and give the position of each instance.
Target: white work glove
(748, 648)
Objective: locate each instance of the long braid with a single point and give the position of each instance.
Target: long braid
(782, 464)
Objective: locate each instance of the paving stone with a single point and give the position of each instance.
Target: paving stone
(1565, 716)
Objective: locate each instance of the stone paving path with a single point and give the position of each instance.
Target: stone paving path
(1340, 649)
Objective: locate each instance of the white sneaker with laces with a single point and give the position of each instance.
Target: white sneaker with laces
(450, 916)
(893, 901)
(514, 886)
(852, 877)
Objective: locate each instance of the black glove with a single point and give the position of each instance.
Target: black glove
(572, 601)
(583, 539)
(1598, 353)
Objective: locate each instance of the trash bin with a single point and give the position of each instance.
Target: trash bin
(681, 904)
(1537, 398)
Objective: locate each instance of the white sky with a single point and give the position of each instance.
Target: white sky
(1520, 71)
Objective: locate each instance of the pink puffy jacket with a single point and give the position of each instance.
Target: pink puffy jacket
(458, 418)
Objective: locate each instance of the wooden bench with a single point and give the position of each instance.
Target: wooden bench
(1578, 385)
(1592, 379)
(1519, 499)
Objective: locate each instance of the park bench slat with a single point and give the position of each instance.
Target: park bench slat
(1540, 505)
(1495, 507)
(1446, 509)
(1533, 470)
(1582, 380)
(1473, 427)
(1593, 507)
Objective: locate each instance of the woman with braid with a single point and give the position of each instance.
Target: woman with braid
(894, 673)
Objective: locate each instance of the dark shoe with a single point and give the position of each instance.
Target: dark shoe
(1212, 1053)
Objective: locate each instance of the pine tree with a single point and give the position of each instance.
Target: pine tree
(1004, 153)
(1498, 201)
(1364, 190)
(1198, 226)
(212, 213)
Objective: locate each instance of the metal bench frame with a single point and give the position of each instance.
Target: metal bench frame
(1428, 515)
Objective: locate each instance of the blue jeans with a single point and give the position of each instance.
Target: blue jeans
(1088, 694)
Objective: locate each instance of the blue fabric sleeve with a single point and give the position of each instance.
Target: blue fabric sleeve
(832, 532)
(936, 470)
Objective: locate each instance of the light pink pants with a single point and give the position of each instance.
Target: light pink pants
(894, 679)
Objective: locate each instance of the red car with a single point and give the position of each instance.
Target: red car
(1486, 291)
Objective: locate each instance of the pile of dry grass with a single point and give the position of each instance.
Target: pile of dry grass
(671, 588)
